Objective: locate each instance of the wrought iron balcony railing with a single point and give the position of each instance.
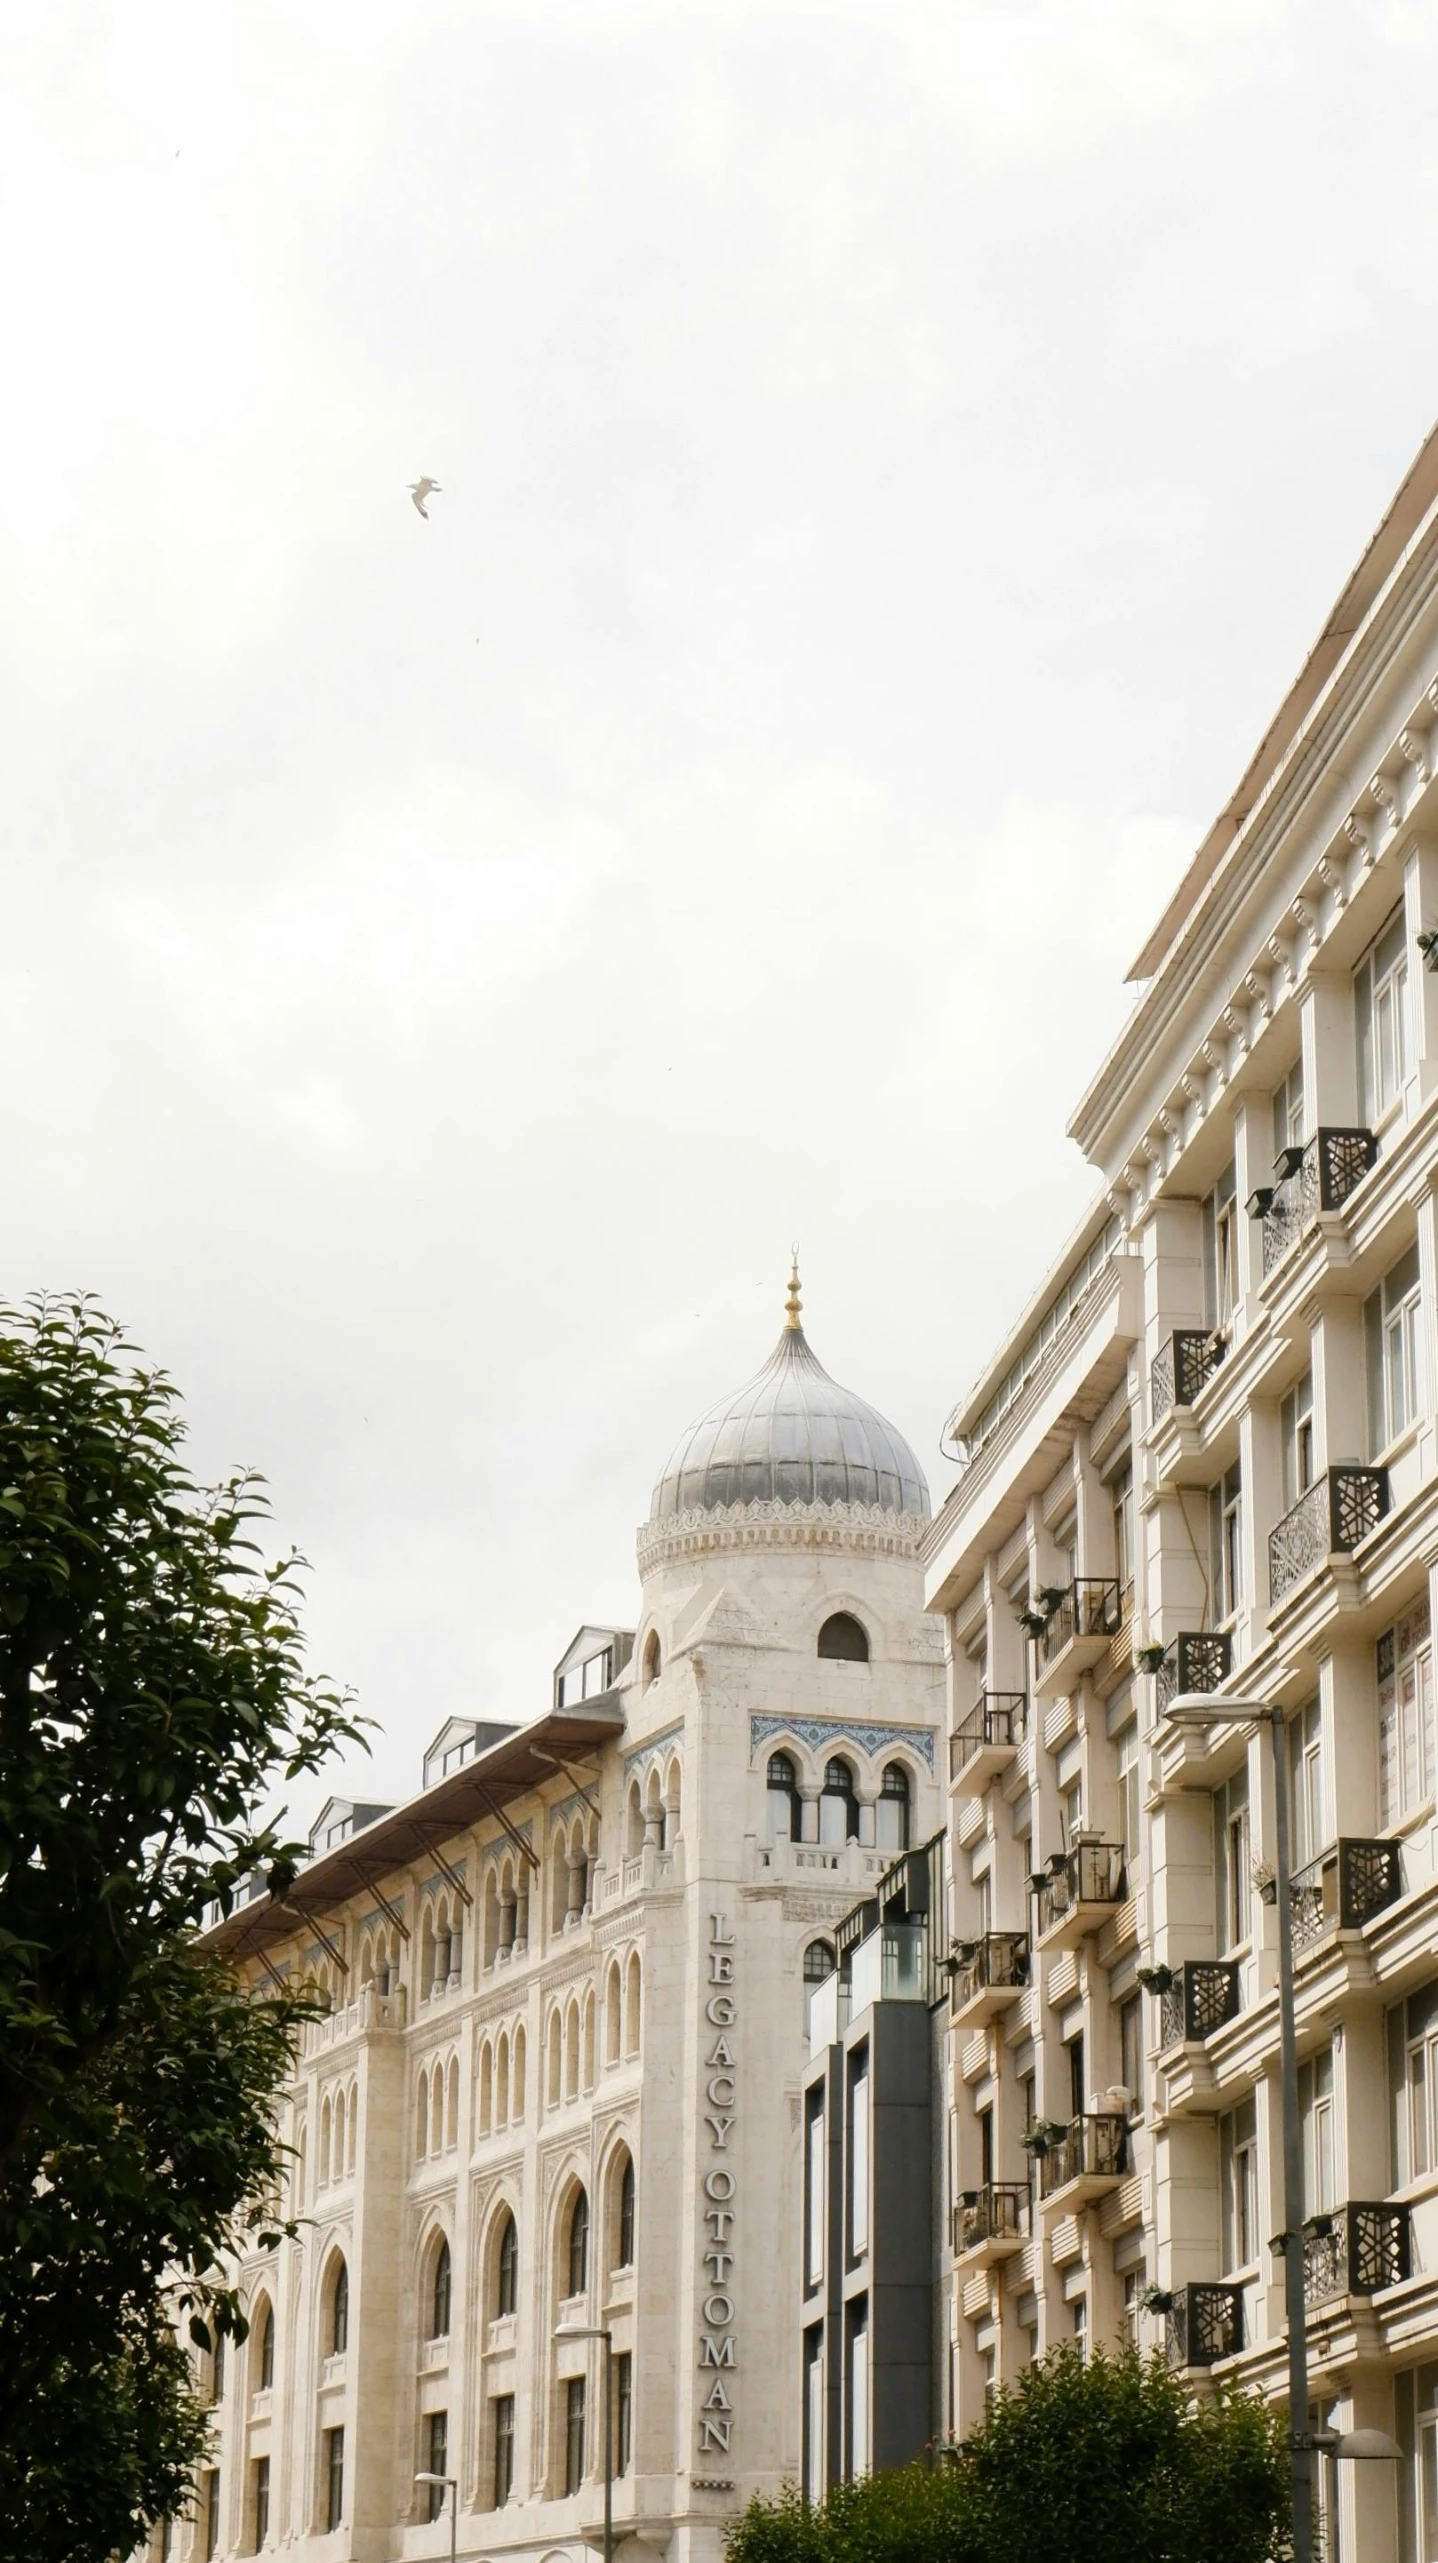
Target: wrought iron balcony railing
(1199, 1660)
(1090, 1607)
(1203, 1995)
(998, 1718)
(1340, 1508)
(1332, 1166)
(1091, 1874)
(998, 2213)
(999, 1963)
(1091, 2147)
(1204, 2323)
(1355, 2250)
(1182, 1366)
(1343, 1888)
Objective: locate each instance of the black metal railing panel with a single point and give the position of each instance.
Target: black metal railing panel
(1092, 1606)
(1204, 2323)
(1000, 1960)
(1181, 1367)
(1356, 2250)
(1204, 1994)
(1199, 1660)
(1092, 1873)
(997, 1717)
(1092, 2147)
(1340, 1508)
(999, 2213)
(1331, 1167)
(1343, 1888)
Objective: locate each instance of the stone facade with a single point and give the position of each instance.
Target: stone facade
(575, 1966)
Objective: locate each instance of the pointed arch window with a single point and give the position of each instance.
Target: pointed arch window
(578, 2255)
(439, 2294)
(891, 1815)
(265, 2362)
(843, 1639)
(838, 1805)
(782, 1790)
(626, 2215)
(506, 2292)
(340, 2312)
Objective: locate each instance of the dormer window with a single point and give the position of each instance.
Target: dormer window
(587, 1680)
(843, 1639)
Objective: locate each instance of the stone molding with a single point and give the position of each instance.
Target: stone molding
(861, 1530)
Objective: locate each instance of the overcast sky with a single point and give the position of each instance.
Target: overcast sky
(894, 458)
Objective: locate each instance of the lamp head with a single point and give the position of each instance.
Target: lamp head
(1205, 1708)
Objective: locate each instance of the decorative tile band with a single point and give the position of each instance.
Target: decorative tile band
(820, 1731)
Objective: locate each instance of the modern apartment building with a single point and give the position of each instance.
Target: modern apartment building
(1204, 1459)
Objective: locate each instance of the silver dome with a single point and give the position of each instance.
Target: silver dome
(791, 1435)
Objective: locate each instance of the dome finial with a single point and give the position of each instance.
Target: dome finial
(792, 1304)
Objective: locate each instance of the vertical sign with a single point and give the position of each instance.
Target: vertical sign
(718, 2353)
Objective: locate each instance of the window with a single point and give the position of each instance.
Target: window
(626, 2215)
(503, 2448)
(1288, 1111)
(1131, 2053)
(1238, 2183)
(1412, 2033)
(1232, 1863)
(1225, 1536)
(782, 1789)
(815, 2191)
(815, 2484)
(436, 2458)
(217, 2369)
(1220, 1248)
(857, 2396)
(259, 2501)
(1306, 1785)
(334, 2450)
(1415, 2398)
(211, 2513)
(1380, 1002)
(891, 1815)
(265, 2350)
(1405, 1717)
(1315, 2107)
(1126, 1748)
(439, 2294)
(587, 1680)
(578, 2253)
(843, 1639)
(623, 2412)
(1132, 2282)
(819, 1963)
(653, 1660)
(838, 1806)
(506, 2294)
(1121, 1496)
(1296, 1420)
(340, 2312)
(573, 2433)
(1078, 2318)
(859, 2152)
(1393, 1345)
(1074, 2050)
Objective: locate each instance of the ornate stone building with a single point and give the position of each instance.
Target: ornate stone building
(558, 2087)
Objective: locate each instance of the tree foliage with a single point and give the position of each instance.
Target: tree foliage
(152, 1695)
(1100, 2461)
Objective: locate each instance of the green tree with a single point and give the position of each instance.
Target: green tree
(153, 1695)
(1107, 2460)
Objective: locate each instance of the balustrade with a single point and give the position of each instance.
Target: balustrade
(1340, 1508)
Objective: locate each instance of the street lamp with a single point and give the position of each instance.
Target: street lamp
(598, 2332)
(447, 2483)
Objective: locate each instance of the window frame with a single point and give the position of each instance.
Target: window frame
(1381, 1020)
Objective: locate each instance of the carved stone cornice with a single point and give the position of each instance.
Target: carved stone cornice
(863, 1530)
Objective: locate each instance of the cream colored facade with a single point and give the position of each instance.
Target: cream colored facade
(576, 1961)
(1207, 1455)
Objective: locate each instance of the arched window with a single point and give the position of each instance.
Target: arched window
(838, 1806)
(634, 1823)
(611, 2013)
(782, 1789)
(577, 2273)
(486, 2088)
(632, 2005)
(506, 2267)
(625, 2239)
(556, 2054)
(891, 1814)
(672, 1806)
(571, 2052)
(421, 2116)
(451, 2114)
(339, 2311)
(819, 1962)
(516, 2105)
(439, 2294)
(653, 1661)
(843, 1640)
(265, 2347)
(501, 2080)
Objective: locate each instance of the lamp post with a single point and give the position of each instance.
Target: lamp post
(447, 2483)
(599, 2332)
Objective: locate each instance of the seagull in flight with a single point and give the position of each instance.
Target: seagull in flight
(419, 492)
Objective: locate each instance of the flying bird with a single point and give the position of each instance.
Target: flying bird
(419, 492)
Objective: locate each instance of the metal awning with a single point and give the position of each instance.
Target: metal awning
(514, 1768)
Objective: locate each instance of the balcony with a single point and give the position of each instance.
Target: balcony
(1203, 2323)
(987, 1741)
(989, 1976)
(1318, 1177)
(1340, 1508)
(371, 2009)
(1202, 1995)
(1082, 1619)
(1082, 2161)
(1355, 2251)
(1199, 1660)
(1078, 1891)
(1185, 1364)
(991, 2224)
(1342, 1889)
